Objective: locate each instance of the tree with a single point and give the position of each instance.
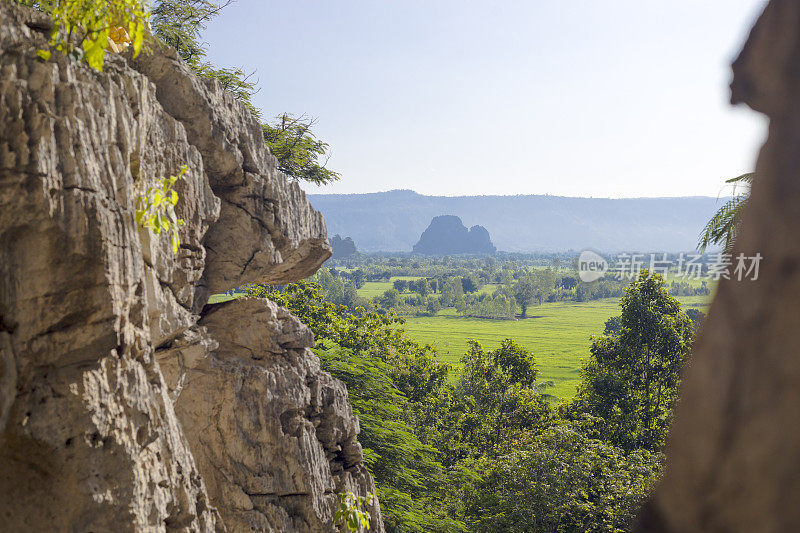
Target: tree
(421, 286)
(400, 284)
(569, 282)
(631, 381)
(433, 305)
(390, 299)
(298, 150)
(498, 397)
(724, 225)
(524, 291)
(469, 284)
(358, 277)
(452, 292)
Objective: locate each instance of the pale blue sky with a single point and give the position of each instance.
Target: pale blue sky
(576, 98)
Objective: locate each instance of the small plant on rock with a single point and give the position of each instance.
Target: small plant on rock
(350, 517)
(155, 208)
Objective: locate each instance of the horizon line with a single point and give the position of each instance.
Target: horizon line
(546, 195)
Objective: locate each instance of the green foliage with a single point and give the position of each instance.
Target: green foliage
(494, 402)
(339, 291)
(83, 28)
(488, 451)
(631, 381)
(724, 225)
(563, 480)
(179, 23)
(349, 516)
(297, 149)
(155, 208)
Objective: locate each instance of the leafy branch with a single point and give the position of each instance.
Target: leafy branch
(155, 208)
(723, 226)
(298, 150)
(85, 29)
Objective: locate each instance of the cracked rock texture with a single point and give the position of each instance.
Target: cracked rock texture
(91, 436)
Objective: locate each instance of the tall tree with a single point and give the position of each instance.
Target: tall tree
(524, 291)
(632, 379)
(537, 285)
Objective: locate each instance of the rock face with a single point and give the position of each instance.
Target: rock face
(273, 435)
(732, 456)
(447, 235)
(90, 436)
(267, 231)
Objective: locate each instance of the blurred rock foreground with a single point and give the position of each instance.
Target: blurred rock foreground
(733, 459)
(125, 403)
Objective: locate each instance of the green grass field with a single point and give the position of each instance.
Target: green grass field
(370, 289)
(557, 333)
(219, 298)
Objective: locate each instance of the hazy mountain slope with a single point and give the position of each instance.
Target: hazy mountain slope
(394, 220)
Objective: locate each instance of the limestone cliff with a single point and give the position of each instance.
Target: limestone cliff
(93, 437)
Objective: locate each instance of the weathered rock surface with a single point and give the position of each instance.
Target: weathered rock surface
(274, 436)
(267, 230)
(732, 459)
(89, 437)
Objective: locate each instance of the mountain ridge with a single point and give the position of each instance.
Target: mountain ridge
(393, 221)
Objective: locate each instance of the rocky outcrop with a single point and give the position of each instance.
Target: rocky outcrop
(90, 437)
(267, 231)
(732, 455)
(274, 436)
(342, 247)
(447, 235)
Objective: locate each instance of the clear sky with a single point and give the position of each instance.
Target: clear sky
(450, 97)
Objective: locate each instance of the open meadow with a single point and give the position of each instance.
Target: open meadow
(558, 334)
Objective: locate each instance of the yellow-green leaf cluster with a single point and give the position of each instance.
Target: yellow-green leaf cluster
(350, 517)
(83, 28)
(155, 208)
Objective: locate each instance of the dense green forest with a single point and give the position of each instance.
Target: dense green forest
(485, 448)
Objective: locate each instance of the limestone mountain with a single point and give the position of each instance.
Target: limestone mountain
(447, 235)
(342, 247)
